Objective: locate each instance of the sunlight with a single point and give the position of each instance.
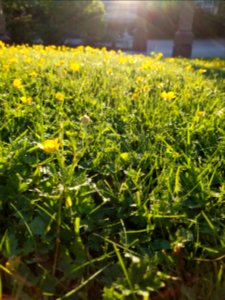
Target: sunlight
(121, 10)
(125, 3)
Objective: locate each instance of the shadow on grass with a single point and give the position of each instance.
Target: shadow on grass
(211, 72)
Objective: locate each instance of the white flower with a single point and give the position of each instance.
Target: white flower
(85, 119)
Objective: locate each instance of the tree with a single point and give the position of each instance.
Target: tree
(53, 20)
(184, 36)
(140, 31)
(3, 35)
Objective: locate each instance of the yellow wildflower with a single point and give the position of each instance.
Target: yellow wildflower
(171, 59)
(104, 50)
(17, 83)
(89, 49)
(124, 155)
(75, 67)
(159, 55)
(122, 60)
(80, 49)
(200, 114)
(49, 146)
(28, 60)
(132, 60)
(26, 100)
(13, 60)
(135, 96)
(188, 67)
(59, 96)
(34, 74)
(5, 67)
(146, 65)
(168, 95)
(109, 71)
(201, 71)
(146, 88)
(2, 44)
(139, 79)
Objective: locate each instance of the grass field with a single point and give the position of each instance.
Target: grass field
(112, 175)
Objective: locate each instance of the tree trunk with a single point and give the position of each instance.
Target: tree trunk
(184, 35)
(140, 33)
(3, 35)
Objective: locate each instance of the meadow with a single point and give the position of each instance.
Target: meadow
(112, 175)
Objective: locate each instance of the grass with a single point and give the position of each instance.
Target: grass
(111, 175)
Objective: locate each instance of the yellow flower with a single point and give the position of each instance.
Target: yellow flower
(168, 95)
(171, 59)
(13, 60)
(188, 67)
(89, 49)
(17, 83)
(5, 67)
(135, 96)
(122, 60)
(41, 62)
(109, 71)
(139, 79)
(200, 114)
(201, 71)
(159, 55)
(49, 146)
(85, 119)
(146, 88)
(75, 67)
(26, 100)
(2, 44)
(28, 60)
(80, 49)
(59, 96)
(34, 74)
(124, 155)
(146, 65)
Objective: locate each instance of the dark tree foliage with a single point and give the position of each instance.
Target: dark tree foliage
(208, 25)
(53, 20)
